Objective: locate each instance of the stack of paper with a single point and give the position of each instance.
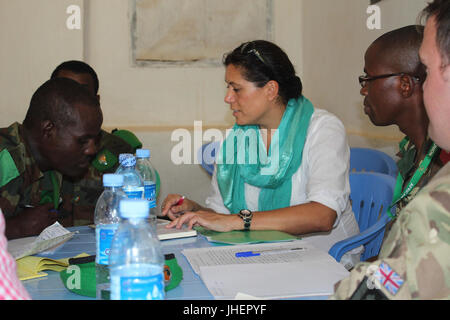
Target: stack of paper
(272, 270)
(32, 267)
(51, 237)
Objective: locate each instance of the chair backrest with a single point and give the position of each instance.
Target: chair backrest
(371, 195)
(207, 154)
(371, 160)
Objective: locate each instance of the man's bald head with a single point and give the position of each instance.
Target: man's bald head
(399, 50)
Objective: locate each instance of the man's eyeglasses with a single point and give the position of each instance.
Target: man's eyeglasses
(364, 79)
(248, 48)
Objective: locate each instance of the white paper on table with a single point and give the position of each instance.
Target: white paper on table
(225, 255)
(49, 238)
(273, 280)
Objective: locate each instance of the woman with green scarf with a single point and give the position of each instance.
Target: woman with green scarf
(284, 165)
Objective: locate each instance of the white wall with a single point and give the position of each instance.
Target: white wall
(325, 39)
(335, 38)
(33, 39)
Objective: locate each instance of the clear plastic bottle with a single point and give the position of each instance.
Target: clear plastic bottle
(147, 172)
(133, 185)
(136, 260)
(106, 219)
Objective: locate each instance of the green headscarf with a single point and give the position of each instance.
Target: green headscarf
(271, 172)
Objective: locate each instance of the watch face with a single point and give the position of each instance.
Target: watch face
(245, 212)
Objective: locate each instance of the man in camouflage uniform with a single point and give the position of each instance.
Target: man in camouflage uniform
(42, 160)
(414, 261)
(88, 189)
(393, 95)
(111, 144)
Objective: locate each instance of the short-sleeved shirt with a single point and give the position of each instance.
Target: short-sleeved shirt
(322, 177)
(23, 184)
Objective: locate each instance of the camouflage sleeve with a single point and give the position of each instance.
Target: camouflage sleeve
(414, 261)
(9, 199)
(10, 184)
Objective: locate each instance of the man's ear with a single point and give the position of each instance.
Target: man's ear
(272, 89)
(406, 86)
(47, 129)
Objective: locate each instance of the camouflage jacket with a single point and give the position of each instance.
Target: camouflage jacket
(414, 261)
(408, 163)
(23, 184)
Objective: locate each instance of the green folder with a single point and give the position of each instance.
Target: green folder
(246, 237)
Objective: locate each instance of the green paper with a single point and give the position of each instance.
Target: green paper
(246, 237)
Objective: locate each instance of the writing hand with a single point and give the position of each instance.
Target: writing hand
(174, 205)
(207, 219)
(31, 221)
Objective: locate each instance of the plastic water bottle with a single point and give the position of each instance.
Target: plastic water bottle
(136, 261)
(133, 185)
(147, 172)
(106, 221)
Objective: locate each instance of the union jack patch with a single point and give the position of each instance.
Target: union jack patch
(388, 278)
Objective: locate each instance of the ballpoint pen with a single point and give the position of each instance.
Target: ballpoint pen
(178, 203)
(246, 254)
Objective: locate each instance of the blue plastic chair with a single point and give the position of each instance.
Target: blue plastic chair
(371, 195)
(371, 160)
(207, 154)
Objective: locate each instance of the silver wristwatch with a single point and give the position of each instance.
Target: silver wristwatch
(246, 215)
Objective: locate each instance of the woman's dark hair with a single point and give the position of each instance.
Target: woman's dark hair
(262, 61)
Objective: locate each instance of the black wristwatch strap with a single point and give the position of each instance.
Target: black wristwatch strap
(246, 216)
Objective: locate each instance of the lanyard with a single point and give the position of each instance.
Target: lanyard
(423, 166)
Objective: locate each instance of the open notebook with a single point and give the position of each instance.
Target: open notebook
(166, 234)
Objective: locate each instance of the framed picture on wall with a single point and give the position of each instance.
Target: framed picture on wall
(195, 32)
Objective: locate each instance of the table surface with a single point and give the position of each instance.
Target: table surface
(191, 287)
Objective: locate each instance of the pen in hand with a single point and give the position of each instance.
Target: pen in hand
(179, 202)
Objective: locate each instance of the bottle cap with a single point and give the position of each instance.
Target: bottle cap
(127, 159)
(134, 208)
(143, 153)
(112, 180)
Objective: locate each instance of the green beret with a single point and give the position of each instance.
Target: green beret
(129, 137)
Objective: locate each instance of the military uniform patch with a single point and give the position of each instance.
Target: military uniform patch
(104, 161)
(388, 278)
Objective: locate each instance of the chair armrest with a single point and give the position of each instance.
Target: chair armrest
(343, 246)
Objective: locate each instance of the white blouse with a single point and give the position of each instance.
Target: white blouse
(322, 177)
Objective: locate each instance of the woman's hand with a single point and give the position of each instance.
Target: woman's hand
(210, 220)
(173, 209)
